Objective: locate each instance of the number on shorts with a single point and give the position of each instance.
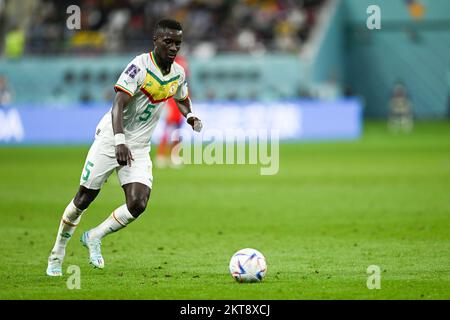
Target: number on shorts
(147, 112)
(87, 170)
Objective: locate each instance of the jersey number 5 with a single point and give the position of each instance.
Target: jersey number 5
(87, 170)
(147, 112)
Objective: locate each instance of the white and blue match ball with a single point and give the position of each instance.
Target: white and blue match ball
(248, 265)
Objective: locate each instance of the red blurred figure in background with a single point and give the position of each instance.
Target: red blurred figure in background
(173, 121)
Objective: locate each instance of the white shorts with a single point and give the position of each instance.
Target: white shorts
(101, 161)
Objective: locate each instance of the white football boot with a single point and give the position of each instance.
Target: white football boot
(54, 266)
(94, 247)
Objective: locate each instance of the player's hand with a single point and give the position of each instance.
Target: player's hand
(123, 155)
(195, 123)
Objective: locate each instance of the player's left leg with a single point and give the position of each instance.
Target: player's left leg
(137, 196)
(136, 182)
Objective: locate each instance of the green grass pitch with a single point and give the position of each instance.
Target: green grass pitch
(333, 209)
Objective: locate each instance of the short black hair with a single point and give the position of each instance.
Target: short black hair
(168, 24)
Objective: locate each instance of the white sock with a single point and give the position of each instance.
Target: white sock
(119, 219)
(70, 219)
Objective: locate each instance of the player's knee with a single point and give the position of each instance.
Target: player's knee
(137, 206)
(83, 199)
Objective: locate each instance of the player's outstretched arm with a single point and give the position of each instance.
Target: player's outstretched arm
(186, 109)
(123, 154)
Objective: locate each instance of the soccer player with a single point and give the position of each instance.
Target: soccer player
(122, 142)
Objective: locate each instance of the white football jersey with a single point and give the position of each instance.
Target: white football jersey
(149, 90)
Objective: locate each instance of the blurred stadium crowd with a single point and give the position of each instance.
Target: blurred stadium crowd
(118, 26)
(315, 48)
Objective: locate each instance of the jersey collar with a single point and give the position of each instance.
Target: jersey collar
(152, 57)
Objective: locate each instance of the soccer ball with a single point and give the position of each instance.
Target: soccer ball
(248, 265)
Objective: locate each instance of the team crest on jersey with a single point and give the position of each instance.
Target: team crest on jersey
(158, 90)
(173, 88)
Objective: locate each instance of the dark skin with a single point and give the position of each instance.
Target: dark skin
(167, 43)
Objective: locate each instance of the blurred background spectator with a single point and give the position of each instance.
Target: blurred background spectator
(14, 42)
(400, 110)
(5, 93)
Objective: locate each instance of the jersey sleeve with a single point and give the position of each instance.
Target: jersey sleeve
(131, 78)
(182, 91)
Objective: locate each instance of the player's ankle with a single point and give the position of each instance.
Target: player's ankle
(58, 252)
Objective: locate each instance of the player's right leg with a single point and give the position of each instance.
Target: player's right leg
(69, 221)
(97, 169)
